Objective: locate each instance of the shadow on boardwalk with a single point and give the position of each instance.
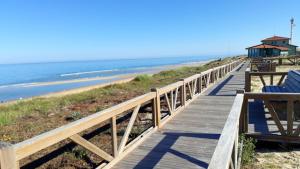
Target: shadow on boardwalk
(167, 142)
(257, 117)
(218, 88)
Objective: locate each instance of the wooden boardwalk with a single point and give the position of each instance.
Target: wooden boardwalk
(190, 138)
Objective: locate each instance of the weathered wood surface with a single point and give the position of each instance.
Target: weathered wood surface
(190, 138)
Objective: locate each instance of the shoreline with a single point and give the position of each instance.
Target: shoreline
(119, 79)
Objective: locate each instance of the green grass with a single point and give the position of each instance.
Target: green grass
(141, 84)
(248, 153)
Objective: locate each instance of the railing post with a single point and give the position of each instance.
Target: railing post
(8, 156)
(247, 80)
(156, 108)
(243, 123)
(200, 83)
(114, 136)
(183, 93)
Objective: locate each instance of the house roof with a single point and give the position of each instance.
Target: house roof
(264, 46)
(275, 38)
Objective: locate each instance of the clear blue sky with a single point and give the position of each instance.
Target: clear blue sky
(60, 30)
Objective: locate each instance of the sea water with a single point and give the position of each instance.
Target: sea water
(17, 80)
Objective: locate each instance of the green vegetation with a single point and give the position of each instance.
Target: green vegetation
(82, 104)
(248, 150)
(142, 78)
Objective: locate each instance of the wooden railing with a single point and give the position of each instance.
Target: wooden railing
(261, 66)
(161, 104)
(283, 108)
(262, 76)
(284, 60)
(227, 152)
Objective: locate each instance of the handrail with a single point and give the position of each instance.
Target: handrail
(192, 85)
(226, 152)
(290, 133)
(249, 74)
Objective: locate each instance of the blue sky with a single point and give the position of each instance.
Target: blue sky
(61, 30)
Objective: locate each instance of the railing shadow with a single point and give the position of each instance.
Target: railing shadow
(219, 87)
(257, 117)
(165, 146)
(238, 69)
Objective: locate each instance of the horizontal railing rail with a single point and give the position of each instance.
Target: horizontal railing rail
(162, 104)
(226, 154)
(284, 111)
(283, 60)
(275, 78)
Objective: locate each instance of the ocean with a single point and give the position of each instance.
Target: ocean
(20, 81)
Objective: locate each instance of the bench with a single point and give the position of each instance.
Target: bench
(291, 84)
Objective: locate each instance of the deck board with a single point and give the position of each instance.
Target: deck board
(190, 138)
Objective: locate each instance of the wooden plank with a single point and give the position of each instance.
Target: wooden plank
(129, 149)
(168, 103)
(274, 138)
(91, 147)
(223, 151)
(247, 80)
(175, 99)
(114, 136)
(297, 131)
(190, 90)
(271, 79)
(200, 84)
(272, 96)
(172, 99)
(275, 117)
(262, 80)
(8, 156)
(290, 116)
(128, 129)
(281, 80)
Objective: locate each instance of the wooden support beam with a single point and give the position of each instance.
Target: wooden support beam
(128, 129)
(275, 117)
(175, 98)
(281, 80)
(183, 94)
(262, 80)
(190, 90)
(8, 156)
(290, 117)
(114, 137)
(172, 99)
(168, 103)
(271, 79)
(297, 132)
(156, 104)
(247, 81)
(91, 147)
(200, 83)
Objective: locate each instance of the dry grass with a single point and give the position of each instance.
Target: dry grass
(267, 159)
(256, 84)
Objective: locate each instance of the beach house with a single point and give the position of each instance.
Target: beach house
(273, 46)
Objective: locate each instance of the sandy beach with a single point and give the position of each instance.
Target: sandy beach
(117, 79)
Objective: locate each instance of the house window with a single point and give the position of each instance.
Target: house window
(283, 42)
